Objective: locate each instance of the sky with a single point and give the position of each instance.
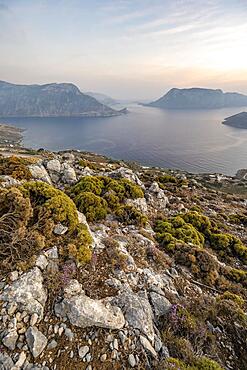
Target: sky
(128, 49)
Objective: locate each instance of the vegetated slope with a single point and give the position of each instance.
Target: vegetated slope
(50, 100)
(199, 98)
(237, 120)
(114, 266)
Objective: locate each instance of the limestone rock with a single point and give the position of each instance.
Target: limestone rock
(54, 166)
(36, 341)
(39, 173)
(156, 197)
(68, 173)
(139, 203)
(41, 262)
(27, 292)
(6, 362)
(10, 339)
(137, 311)
(83, 311)
(160, 304)
(147, 346)
(126, 173)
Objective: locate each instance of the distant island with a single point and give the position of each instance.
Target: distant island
(199, 98)
(237, 120)
(50, 100)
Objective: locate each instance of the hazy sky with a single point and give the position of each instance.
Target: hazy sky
(125, 48)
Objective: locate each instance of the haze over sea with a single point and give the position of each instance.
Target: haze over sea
(194, 141)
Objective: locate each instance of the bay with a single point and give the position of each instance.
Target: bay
(194, 141)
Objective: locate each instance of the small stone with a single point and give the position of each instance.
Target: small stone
(122, 337)
(71, 355)
(88, 357)
(52, 253)
(36, 341)
(60, 331)
(34, 319)
(103, 357)
(10, 340)
(147, 346)
(69, 334)
(132, 360)
(41, 262)
(59, 229)
(114, 355)
(13, 275)
(83, 351)
(12, 308)
(52, 344)
(21, 360)
(115, 344)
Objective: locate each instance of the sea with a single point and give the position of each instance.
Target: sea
(191, 140)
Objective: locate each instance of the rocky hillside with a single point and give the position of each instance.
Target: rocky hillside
(106, 265)
(50, 100)
(198, 98)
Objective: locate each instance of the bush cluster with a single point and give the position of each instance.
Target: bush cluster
(193, 227)
(96, 196)
(15, 167)
(28, 215)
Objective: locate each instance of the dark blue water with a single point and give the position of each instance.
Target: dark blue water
(195, 141)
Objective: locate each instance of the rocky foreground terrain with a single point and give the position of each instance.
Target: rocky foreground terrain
(108, 265)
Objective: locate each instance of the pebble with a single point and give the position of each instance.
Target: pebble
(103, 357)
(34, 319)
(132, 360)
(83, 351)
(115, 344)
(52, 344)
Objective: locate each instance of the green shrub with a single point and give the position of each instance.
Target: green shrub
(129, 215)
(176, 230)
(91, 184)
(199, 221)
(233, 297)
(15, 167)
(50, 204)
(97, 195)
(205, 363)
(228, 244)
(93, 206)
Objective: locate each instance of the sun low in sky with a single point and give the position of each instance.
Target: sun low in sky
(133, 49)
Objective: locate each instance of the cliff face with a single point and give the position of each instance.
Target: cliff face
(61, 100)
(198, 98)
(107, 266)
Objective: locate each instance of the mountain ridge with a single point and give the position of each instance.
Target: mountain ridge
(199, 98)
(49, 100)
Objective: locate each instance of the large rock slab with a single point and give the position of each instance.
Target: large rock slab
(137, 311)
(83, 311)
(27, 292)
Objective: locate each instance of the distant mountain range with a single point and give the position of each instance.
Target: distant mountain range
(237, 120)
(50, 100)
(199, 98)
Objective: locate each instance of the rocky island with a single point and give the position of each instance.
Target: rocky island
(237, 120)
(50, 100)
(110, 265)
(199, 98)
